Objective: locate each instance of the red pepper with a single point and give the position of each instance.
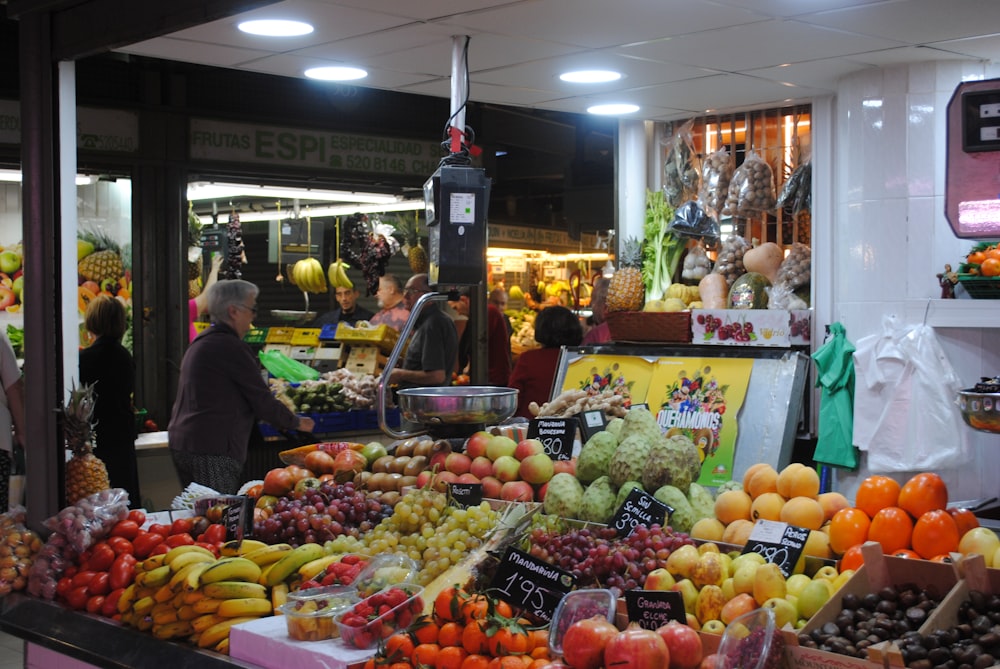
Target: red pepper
(82, 578)
(99, 585)
(94, 604)
(102, 557)
(144, 543)
(110, 607)
(64, 585)
(77, 598)
(138, 516)
(125, 528)
(183, 539)
(122, 571)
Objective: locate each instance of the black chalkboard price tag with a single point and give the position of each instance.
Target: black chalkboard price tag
(652, 609)
(779, 543)
(525, 582)
(592, 422)
(464, 495)
(639, 508)
(234, 511)
(556, 434)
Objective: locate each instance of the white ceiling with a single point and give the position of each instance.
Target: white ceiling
(680, 58)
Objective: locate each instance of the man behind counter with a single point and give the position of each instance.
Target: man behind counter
(433, 349)
(392, 311)
(349, 311)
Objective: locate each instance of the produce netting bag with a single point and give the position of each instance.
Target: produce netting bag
(751, 190)
(681, 168)
(283, 367)
(716, 173)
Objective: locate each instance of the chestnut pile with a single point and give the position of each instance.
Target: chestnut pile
(974, 643)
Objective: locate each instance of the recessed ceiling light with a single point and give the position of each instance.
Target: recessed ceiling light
(590, 76)
(336, 73)
(614, 109)
(275, 28)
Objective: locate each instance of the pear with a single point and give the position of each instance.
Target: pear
(768, 583)
(742, 558)
(689, 594)
(785, 612)
(795, 584)
(744, 576)
(728, 589)
(709, 570)
(842, 578)
(813, 597)
(682, 561)
(708, 605)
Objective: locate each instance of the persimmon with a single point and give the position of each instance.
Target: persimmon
(922, 493)
(906, 553)
(876, 493)
(891, 527)
(848, 527)
(965, 519)
(990, 267)
(935, 533)
(852, 559)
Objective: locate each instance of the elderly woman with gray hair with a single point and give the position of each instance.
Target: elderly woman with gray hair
(221, 394)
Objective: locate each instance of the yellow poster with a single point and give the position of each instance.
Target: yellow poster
(701, 398)
(624, 375)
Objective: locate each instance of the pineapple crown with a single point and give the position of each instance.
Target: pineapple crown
(80, 408)
(631, 253)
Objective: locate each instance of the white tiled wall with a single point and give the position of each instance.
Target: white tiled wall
(890, 233)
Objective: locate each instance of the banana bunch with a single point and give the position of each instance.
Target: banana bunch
(308, 275)
(337, 273)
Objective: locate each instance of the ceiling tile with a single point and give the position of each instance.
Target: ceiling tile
(423, 10)
(360, 48)
(916, 21)
(789, 8)
(722, 92)
(281, 64)
(216, 55)
(909, 54)
(507, 95)
(986, 48)
(822, 74)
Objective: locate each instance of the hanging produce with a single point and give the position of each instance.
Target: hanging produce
(415, 252)
(369, 244)
(680, 169)
(232, 268)
(337, 271)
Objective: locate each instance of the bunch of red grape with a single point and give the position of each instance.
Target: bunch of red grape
(799, 327)
(320, 514)
(598, 557)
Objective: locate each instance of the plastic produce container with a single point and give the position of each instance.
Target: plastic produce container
(752, 641)
(383, 571)
(368, 634)
(311, 617)
(579, 605)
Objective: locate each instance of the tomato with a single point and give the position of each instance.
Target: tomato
(122, 571)
(159, 528)
(102, 557)
(299, 473)
(181, 526)
(120, 545)
(125, 528)
(182, 539)
(278, 482)
(64, 585)
(138, 516)
(82, 578)
(584, 642)
(255, 491)
(110, 607)
(94, 604)
(922, 493)
(77, 598)
(636, 648)
(99, 585)
(144, 543)
(215, 534)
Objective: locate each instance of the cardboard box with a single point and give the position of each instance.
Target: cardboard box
(751, 327)
(877, 572)
(265, 643)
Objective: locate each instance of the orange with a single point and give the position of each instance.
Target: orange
(475, 607)
(450, 658)
(398, 647)
(508, 641)
(424, 630)
(993, 252)
(448, 604)
(876, 493)
(425, 654)
(852, 559)
(976, 258)
(848, 527)
(990, 267)
(922, 493)
(935, 533)
(475, 661)
(539, 638)
(891, 527)
(508, 662)
(474, 639)
(906, 553)
(450, 634)
(502, 608)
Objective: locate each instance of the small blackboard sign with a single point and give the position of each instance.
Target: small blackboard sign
(592, 422)
(779, 543)
(531, 584)
(465, 495)
(652, 609)
(236, 513)
(556, 434)
(639, 508)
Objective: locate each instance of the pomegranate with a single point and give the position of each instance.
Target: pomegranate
(684, 644)
(584, 641)
(636, 648)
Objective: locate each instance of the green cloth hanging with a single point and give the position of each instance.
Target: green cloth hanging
(835, 363)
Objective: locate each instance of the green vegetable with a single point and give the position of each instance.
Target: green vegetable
(16, 337)
(663, 249)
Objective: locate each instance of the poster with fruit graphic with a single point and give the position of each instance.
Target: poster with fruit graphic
(701, 398)
(625, 376)
(11, 277)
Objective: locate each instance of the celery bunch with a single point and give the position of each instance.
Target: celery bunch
(662, 250)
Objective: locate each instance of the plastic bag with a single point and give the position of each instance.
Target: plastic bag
(751, 191)
(681, 167)
(729, 262)
(691, 220)
(90, 519)
(796, 192)
(716, 173)
(280, 365)
(49, 566)
(18, 547)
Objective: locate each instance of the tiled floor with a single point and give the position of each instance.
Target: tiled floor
(11, 652)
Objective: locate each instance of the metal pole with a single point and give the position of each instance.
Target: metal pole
(459, 90)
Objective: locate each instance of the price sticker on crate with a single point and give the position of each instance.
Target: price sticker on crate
(779, 543)
(531, 584)
(556, 434)
(639, 508)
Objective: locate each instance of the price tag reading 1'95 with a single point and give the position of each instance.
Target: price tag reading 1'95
(524, 581)
(779, 543)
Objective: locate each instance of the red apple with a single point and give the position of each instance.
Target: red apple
(517, 491)
(457, 463)
(481, 466)
(467, 478)
(505, 468)
(684, 645)
(491, 487)
(527, 447)
(537, 468)
(564, 467)
(709, 661)
(437, 461)
(500, 445)
(540, 492)
(476, 444)
(442, 479)
(424, 477)
(7, 297)
(278, 482)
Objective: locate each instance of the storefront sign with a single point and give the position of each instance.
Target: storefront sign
(311, 148)
(107, 130)
(537, 238)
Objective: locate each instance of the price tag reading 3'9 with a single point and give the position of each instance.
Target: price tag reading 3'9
(525, 582)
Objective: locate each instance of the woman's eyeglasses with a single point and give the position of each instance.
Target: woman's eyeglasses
(252, 309)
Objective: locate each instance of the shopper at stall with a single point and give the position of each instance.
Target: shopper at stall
(433, 349)
(497, 342)
(498, 298)
(392, 311)
(11, 415)
(197, 306)
(536, 368)
(599, 333)
(348, 310)
(221, 393)
(108, 366)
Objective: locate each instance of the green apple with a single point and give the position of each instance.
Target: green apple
(796, 583)
(10, 262)
(18, 286)
(785, 612)
(83, 249)
(813, 597)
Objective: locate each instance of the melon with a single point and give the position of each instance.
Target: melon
(749, 292)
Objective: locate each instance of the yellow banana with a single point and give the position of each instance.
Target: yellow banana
(231, 569)
(279, 595)
(187, 613)
(144, 623)
(192, 557)
(235, 590)
(154, 562)
(163, 594)
(207, 605)
(163, 614)
(127, 598)
(143, 606)
(176, 552)
(246, 606)
(175, 630)
(222, 647)
(219, 631)
(284, 568)
(155, 578)
(189, 574)
(192, 597)
(240, 547)
(268, 555)
(314, 568)
(203, 622)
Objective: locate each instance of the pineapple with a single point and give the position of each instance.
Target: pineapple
(85, 472)
(105, 262)
(626, 291)
(416, 254)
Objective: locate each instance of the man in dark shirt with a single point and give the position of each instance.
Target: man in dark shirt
(349, 311)
(433, 349)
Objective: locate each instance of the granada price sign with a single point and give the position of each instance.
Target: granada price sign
(556, 434)
(639, 508)
(652, 609)
(779, 543)
(525, 582)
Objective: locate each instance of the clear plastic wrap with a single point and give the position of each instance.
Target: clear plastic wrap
(716, 173)
(729, 262)
(18, 547)
(681, 167)
(796, 269)
(751, 190)
(49, 566)
(796, 192)
(90, 519)
(691, 220)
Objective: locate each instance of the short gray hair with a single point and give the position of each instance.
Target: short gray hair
(223, 294)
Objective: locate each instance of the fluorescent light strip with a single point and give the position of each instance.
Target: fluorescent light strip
(221, 191)
(321, 212)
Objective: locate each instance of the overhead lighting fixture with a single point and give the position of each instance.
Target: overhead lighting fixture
(613, 109)
(590, 76)
(320, 212)
(13, 176)
(275, 28)
(336, 73)
(222, 191)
